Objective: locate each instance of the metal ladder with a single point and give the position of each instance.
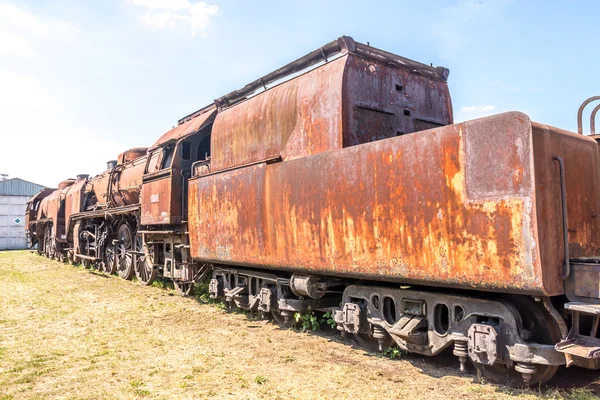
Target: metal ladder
(576, 343)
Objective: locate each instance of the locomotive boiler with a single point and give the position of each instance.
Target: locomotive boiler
(339, 183)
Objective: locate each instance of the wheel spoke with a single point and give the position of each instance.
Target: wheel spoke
(123, 256)
(143, 264)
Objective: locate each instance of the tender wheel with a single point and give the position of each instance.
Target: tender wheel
(109, 263)
(144, 265)
(544, 330)
(285, 322)
(183, 288)
(124, 246)
(370, 343)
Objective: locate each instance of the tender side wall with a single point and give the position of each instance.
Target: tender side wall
(452, 206)
(582, 162)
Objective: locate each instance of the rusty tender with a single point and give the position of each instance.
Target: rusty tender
(340, 184)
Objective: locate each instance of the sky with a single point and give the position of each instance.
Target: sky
(82, 81)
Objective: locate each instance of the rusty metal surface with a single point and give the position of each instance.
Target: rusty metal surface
(295, 119)
(52, 207)
(342, 45)
(97, 187)
(74, 201)
(65, 183)
(187, 128)
(125, 183)
(381, 101)
(348, 101)
(581, 159)
(118, 187)
(436, 208)
(131, 154)
(156, 200)
(34, 205)
(43, 207)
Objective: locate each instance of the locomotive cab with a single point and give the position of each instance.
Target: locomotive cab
(164, 189)
(32, 213)
(163, 238)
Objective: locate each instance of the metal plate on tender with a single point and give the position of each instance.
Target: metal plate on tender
(587, 280)
(483, 344)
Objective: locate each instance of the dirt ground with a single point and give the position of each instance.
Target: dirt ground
(66, 332)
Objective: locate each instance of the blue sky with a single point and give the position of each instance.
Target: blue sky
(88, 79)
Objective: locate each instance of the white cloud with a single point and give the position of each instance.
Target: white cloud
(38, 133)
(14, 15)
(14, 18)
(14, 45)
(175, 5)
(22, 91)
(51, 159)
(178, 15)
(21, 29)
(466, 113)
(37, 126)
(483, 109)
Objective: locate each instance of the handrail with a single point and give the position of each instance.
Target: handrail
(580, 113)
(563, 198)
(593, 119)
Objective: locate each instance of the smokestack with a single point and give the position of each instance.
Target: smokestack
(81, 177)
(111, 164)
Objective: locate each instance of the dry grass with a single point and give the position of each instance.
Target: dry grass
(69, 333)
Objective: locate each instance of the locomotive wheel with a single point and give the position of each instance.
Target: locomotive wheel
(48, 247)
(124, 246)
(48, 243)
(109, 265)
(370, 343)
(183, 288)
(544, 330)
(144, 265)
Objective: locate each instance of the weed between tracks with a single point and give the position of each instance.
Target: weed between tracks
(68, 333)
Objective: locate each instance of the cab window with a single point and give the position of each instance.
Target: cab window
(153, 162)
(186, 151)
(167, 157)
(203, 152)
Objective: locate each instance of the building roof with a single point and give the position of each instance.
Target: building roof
(19, 187)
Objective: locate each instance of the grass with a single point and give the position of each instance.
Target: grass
(67, 333)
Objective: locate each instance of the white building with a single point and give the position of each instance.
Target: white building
(14, 194)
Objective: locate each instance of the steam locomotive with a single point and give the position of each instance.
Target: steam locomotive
(339, 183)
